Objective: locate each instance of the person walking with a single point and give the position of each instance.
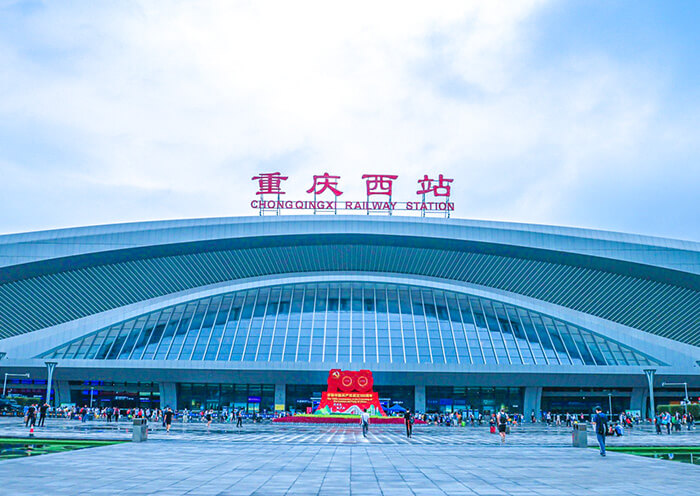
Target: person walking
(168, 418)
(239, 418)
(666, 420)
(42, 414)
(408, 420)
(31, 416)
(600, 426)
(364, 420)
(502, 421)
(208, 417)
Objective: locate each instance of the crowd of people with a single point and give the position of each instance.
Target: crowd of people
(673, 423)
(499, 422)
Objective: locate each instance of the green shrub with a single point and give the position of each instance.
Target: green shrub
(672, 409)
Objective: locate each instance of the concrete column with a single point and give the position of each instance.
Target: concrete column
(280, 397)
(419, 397)
(168, 394)
(638, 399)
(62, 392)
(50, 366)
(532, 401)
(650, 373)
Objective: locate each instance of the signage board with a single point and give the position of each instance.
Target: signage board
(433, 195)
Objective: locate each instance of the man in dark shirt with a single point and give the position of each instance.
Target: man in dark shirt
(600, 425)
(31, 416)
(168, 418)
(42, 414)
(408, 420)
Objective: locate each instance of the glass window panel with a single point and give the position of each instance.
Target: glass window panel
(181, 331)
(72, 349)
(157, 334)
(583, 349)
(230, 327)
(119, 342)
(533, 340)
(144, 336)
(603, 346)
(617, 353)
(193, 331)
(508, 335)
(305, 325)
(206, 329)
(169, 332)
(546, 342)
(556, 340)
(109, 341)
(262, 353)
(84, 346)
(482, 331)
(569, 342)
(630, 357)
(593, 348)
(97, 343)
(495, 331)
(215, 340)
(131, 339)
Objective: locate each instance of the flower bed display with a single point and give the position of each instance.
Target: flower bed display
(339, 419)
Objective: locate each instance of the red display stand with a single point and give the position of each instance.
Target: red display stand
(350, 392)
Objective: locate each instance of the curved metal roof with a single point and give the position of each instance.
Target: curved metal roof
(52, 277)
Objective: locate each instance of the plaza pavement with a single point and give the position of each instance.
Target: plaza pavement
(335, 460)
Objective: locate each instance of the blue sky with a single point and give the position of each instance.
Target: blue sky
(570, 113)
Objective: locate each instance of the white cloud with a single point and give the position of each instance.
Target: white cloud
(194, 98)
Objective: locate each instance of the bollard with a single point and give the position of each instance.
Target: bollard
(579, 436)
(139, 431)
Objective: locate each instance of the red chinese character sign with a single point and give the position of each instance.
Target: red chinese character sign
(379, 184)
(270, 183)
(438, 187)
(379, 189)
(350, 391)
(324, 182)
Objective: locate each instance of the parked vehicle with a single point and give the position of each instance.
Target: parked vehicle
(10, 406)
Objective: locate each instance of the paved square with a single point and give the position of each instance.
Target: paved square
(336, 460)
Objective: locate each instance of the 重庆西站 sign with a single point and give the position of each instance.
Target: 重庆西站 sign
(434, 194)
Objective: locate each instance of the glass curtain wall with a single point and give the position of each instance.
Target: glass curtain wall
(363, 323)
(484, 400)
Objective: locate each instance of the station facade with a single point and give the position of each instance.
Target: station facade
(448, 314)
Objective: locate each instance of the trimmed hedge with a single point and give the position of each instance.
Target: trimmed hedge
(672, 409)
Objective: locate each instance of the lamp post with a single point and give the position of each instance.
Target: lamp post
(4, 384)
(685, 385)
(650, 380)
(610, 405)
(50, 366)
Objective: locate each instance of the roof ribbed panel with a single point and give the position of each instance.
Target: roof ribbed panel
(652, 306)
